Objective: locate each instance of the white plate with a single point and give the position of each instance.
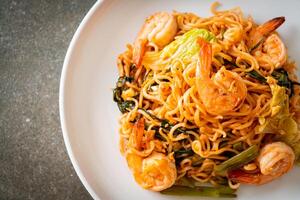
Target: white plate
(89, 116)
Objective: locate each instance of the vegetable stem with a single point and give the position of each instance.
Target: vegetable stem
(225, 192)
(238, 160)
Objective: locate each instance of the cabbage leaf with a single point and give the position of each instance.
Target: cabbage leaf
(184, 49)
(281, 120)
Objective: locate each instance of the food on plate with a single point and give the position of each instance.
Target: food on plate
(208, 103)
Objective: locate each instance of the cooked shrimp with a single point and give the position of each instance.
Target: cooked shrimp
(259, 34)
(135, 139)
(222, 93)
(274, 160)
(266, 46)
(160, 29)
(156, 172)
(273, 52)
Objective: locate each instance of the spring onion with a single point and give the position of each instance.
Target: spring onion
(254, 74)
(238, 160)
(124, 106)
(280, 75)
(223, 191)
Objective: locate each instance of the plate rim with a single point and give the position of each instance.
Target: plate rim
(62, 90)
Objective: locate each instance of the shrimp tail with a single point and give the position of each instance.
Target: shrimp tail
(259, 34)
(205, 56)
(271, 25)
(139, 51)
(138, 132)
(240, 176)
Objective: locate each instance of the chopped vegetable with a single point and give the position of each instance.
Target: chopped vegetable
(184, 47)
(254, 74)
(124, 106)
(117, 94)
(186, 182)
(122, 80)
(238, 146)
(280, 75)
(157, 135)
(238, 160)
(183, 152)
(223, 191)
(281, 119)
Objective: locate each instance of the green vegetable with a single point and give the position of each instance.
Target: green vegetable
(280, 75)
(238, 146)
(226, 192)
(281, 119)
(186, 182)
(254, 74)
(117, 94)
(183, 153)
(230, 64)
(124, 106)
(184, 48)
(157, 135)
(283, 80)
(238, 160)
(122, 80)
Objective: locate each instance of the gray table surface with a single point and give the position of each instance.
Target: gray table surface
(34, 37)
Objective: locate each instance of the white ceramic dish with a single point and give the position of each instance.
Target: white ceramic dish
(89, 116)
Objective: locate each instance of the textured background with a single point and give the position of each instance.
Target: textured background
(34, 37)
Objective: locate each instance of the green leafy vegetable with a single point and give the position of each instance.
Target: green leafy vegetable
(124, 106)
(222, 191)
(117, 94)
(184, 48)
(122, 80)
(280, 75)
(281, 119)
(238, 160)
(186, 182)
(183, 152)
(238, 146)
(254, 74)
(157, 135)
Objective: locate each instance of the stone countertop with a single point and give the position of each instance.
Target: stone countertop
(34, 37)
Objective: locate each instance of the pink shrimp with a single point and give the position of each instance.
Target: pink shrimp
(160, 29)
(274, 160)
(267, 46)
(223, 92)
